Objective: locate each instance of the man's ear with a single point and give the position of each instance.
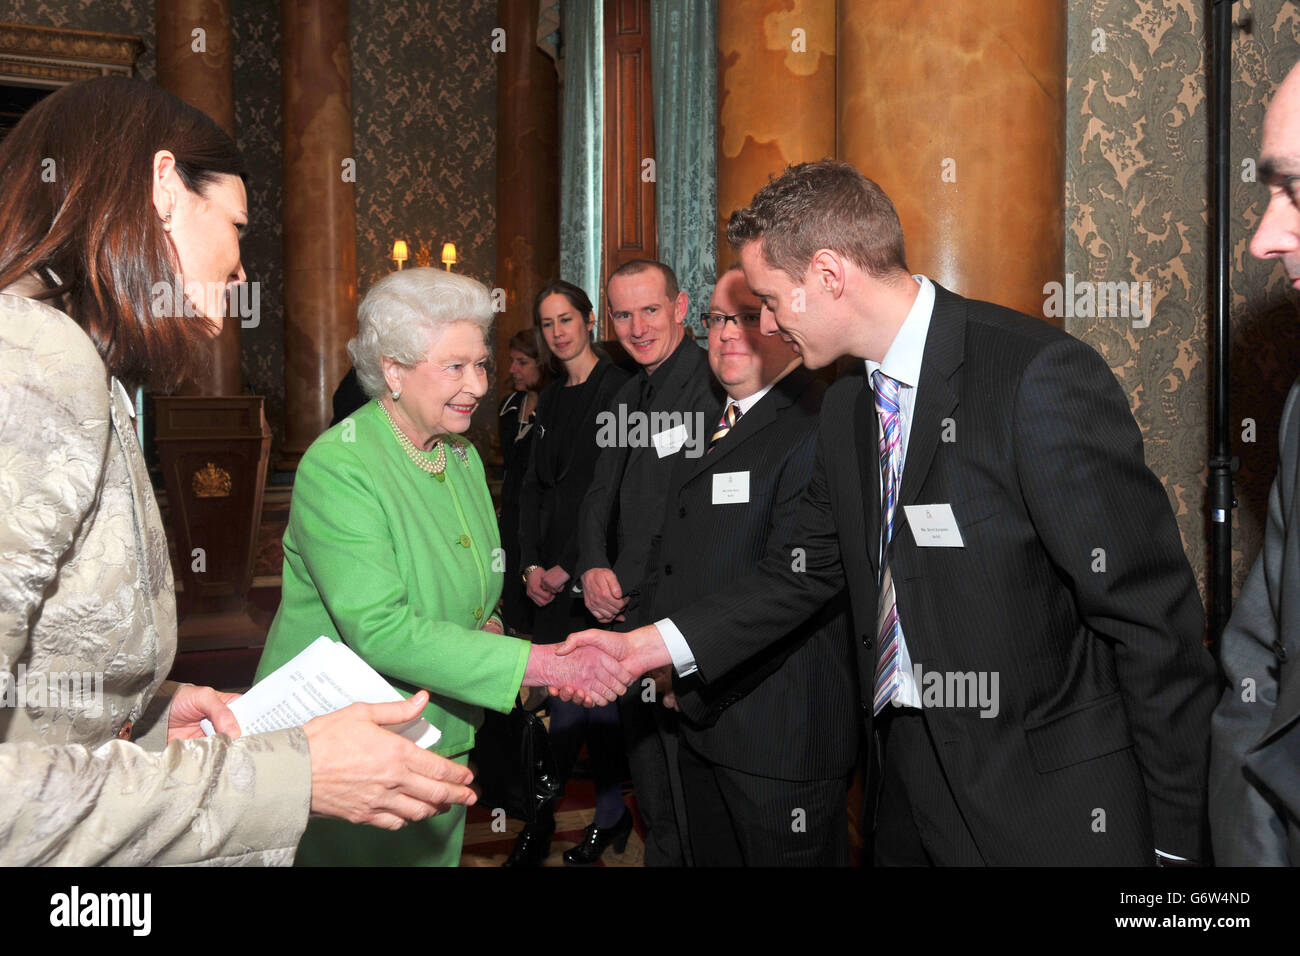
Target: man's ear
(166, 181)
(682, 303)
(826, 272)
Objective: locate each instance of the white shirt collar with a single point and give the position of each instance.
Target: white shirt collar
(903, 360)
(745, 404)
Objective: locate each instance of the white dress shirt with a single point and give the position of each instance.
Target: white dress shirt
(902, 362)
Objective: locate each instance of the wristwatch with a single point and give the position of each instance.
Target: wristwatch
(529, 570)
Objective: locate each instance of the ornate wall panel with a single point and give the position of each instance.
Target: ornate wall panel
(1136, 211)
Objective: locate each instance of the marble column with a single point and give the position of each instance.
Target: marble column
(196, 62)
(528, 173)
(776, 96)
(956, 108)
(319, 234)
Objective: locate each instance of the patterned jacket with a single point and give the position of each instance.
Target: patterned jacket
(88, 634)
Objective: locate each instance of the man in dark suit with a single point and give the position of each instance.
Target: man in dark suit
(660, 414)
(1255, 758)
(1028, 631)
(763, 784)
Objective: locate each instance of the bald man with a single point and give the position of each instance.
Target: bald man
(1255, 753)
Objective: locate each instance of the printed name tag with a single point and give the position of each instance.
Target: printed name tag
(731, 488)
(934, 526)
(670, 442)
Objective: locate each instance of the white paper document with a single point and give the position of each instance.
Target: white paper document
(324, 677)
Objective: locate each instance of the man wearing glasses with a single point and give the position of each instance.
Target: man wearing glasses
(763, 781)
(1255, 752)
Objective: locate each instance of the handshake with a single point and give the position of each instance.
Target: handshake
(595, 667)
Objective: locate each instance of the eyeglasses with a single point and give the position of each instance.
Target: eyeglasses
(748, 320)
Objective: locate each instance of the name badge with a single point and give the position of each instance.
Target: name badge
(670, 442)
(731, 488)
(934, 526)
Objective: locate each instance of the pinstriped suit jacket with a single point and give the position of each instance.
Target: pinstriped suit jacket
(1071, 587)
(772, 715)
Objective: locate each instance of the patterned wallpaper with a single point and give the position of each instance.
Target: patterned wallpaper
(424, 125)
(1136, 211)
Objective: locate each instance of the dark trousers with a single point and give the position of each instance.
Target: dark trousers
(918, 822)
(740, 819)
(650, 735)
(571, 725)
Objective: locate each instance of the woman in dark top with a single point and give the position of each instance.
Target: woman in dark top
(517, 414)
(564, 453)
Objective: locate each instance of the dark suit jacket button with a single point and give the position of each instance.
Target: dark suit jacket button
(681, 512)
(1279, 649)
(668, 569)
(866, 641)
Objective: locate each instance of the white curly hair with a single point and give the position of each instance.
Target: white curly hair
(404, 313)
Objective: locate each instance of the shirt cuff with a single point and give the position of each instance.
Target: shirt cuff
(678, 649)
(1170, 856)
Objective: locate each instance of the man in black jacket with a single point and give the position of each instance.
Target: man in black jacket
(659, 415)
(1028, 631)
(764, 784)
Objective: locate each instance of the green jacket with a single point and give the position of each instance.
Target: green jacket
(402, 567)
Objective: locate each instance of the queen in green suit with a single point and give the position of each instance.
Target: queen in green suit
(392, 547)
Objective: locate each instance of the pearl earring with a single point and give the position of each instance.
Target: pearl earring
(167, 223)
(396, 394)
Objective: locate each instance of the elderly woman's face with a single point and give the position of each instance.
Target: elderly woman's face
(440, 394)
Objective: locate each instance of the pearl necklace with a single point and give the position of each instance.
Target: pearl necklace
(439, 462)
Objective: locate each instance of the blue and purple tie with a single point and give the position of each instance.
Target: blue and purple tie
(891, 468)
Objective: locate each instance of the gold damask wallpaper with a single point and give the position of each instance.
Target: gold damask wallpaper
(1136, 211)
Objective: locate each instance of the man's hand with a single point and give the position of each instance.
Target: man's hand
(554, 579)
(592, 677)
(365, 774)
(536, 589)
(638, 651)
(603, 594)
(190, 704)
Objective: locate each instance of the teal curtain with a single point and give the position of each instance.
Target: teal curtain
(683, 42)
(582, 125)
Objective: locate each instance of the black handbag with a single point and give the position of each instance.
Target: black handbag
(514, 768)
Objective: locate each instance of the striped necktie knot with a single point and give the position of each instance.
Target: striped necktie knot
(725, 424)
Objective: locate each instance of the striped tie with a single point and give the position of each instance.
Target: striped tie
(725, 424)
(891, 467)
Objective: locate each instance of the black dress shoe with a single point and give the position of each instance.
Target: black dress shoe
(532, 846)
(597, 838)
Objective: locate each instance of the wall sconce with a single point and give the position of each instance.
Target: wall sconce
(399, 253)
(449, 255)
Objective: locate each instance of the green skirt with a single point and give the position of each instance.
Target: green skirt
(433, 842)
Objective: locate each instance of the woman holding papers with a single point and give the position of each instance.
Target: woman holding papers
(393, 546)
(110, 190)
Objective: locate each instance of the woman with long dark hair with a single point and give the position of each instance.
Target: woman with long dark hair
(563, 459)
